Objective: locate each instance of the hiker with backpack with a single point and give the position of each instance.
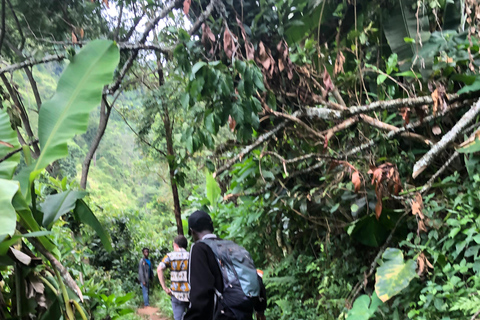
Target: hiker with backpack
(224, 284)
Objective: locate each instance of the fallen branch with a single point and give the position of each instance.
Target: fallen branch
(388, 136)
(428, 185)
(421, 164)
(300, 122)
(264, 137)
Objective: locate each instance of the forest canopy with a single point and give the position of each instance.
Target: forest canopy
(336, 140)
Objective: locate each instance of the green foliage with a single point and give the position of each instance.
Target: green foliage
(394, 274)
(79, 90)
(8, 144)
(364, 307)
(8, 219)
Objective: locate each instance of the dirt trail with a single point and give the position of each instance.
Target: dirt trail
(150, 313)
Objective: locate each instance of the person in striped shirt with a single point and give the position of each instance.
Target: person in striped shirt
(177, 262)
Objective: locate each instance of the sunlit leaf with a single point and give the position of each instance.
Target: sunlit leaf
(394, 275)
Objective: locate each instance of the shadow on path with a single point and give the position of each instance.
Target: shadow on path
(150, 313)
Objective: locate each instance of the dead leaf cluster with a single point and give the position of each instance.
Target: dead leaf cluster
(439, 99)
(327, 83)
(423, 264)
(386, 179)
(417, 211)
(284, 62)
(228, 43)
(249, 49)
(339, 63)
(208, 38)
(265, 59)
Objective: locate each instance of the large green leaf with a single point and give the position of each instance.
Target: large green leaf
(364, 308)
(394, 275)
(79, 90)
(28, 221)
(8, 216)
(213, 190)
(401, 25)
(14, 239)
(56, 205)
(84, 214)
(8, 143)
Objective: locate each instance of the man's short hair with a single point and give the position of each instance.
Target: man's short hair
(181, 241)
(143, 250)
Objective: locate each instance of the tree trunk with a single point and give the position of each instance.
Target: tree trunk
(102, 125)
(170, 153)
(171, 168)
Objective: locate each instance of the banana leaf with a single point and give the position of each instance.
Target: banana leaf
(8, 217)
(405, 34)
(79, 90)
(8, 144)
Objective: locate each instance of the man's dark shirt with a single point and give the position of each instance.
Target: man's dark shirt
(204, 277)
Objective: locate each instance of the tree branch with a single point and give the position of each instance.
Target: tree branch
(102, 125)
(31, 62)
(264, 137)
(139, 137)
(139, 46)
(421, 164)
(8, 155)
(56, 264)
(3, 31)
(133, 55)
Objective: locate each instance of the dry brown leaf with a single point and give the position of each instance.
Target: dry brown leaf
(436, 130)
(417, 206)
(231, 123)
(186, 6)
(405, 113)
(421, 227)
(428, 263)
(438, 97)
(378, 209)
(6, 144)
(327, 82)
(339, 63)
(207, 34)
(281, 67)
(356, 181)
(82, 33)
(249, 50)
(421, 264)
(105, 2)
(74, 38)
(228, 44)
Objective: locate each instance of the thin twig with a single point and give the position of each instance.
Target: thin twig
(138, 135)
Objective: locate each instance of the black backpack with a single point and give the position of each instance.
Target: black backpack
(241, 285)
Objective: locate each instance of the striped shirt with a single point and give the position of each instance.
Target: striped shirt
(177, 261)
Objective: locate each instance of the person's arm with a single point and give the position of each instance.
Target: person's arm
(141, 277)
(261, 304)
(162, 266)
(202, 285)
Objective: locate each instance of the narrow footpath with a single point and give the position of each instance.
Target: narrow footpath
(150, 313)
